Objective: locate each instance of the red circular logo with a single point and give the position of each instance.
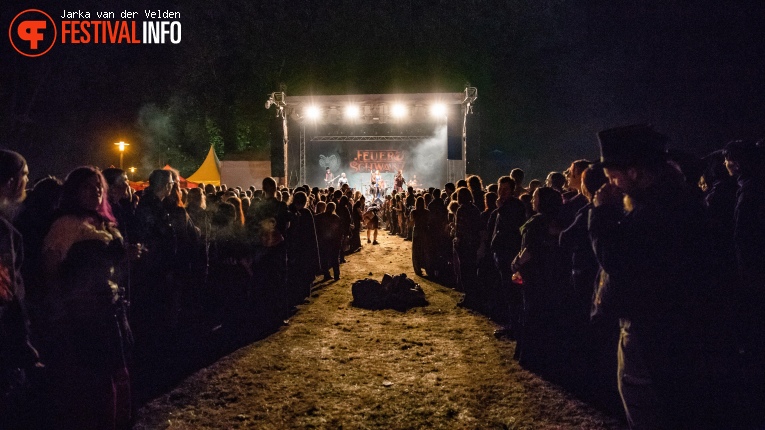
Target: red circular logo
(32, 33)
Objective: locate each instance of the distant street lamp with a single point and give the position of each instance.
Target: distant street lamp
(122, 146)
(132, 173)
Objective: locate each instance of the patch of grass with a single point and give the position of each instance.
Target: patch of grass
(326, 370)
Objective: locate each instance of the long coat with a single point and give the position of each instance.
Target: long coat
(655, 280)
(329, 230)
(14, 349)
(88, 362)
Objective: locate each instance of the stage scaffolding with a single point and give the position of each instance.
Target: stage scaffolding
(367, 138)
(374, 109)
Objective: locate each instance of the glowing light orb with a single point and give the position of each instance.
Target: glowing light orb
(312, 112)
(438, 109)
(398, 110)
(352, 111)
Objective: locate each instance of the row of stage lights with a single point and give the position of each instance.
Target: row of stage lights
(353, 111)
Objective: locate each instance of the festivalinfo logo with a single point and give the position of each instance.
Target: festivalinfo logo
(33, 32)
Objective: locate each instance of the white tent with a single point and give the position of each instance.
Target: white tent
(244, 173)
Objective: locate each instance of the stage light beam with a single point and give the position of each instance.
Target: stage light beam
(312, 112)
(398, 110)
(438, 110)
(352, 112)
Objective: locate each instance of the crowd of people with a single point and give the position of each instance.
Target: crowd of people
(104, 289)
(643, 272)
(648, 264)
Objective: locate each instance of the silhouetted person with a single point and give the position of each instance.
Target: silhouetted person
(438, 236)
(518, 174)
(573, 200)
(419, 219)
(540, 263)
(16, 353)
(593, 341)
(33, 222)
(556, 181)
(90, 383)
(267, 222)
(652, 254)
(372, 219)
(467, 239)
(343, 210)
(303, 251)
(329, 228)
(505, 244)
(357, 215)
(151, 293)
(476, 189)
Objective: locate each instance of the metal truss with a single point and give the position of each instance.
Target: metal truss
(302, 155)
(375, 110)
(365, 138)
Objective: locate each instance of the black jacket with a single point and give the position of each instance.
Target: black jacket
(654, 256)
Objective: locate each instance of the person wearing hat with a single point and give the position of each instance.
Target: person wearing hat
(647, 231)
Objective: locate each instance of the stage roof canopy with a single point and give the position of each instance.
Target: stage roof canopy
(371, 108)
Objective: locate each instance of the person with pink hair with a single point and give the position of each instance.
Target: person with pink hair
(83, 249)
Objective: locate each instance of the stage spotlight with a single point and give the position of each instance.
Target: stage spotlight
(398, 110)
(438, 110)
(312, 112)
(352, 111)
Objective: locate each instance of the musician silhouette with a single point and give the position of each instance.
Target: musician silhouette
(398, 181)
(328, 177)
(376, 181)
(342, 180)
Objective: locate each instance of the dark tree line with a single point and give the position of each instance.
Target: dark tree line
(549, 73)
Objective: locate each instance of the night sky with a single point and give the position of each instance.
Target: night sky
(549, 74)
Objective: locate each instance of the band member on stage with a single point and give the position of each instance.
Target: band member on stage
(413, 182)
(328, 177)
(376, 181)
(398, 182)
(342, 180)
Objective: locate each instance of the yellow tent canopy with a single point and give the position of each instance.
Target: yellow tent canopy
(209, 171)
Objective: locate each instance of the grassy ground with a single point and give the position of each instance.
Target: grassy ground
(337, 366)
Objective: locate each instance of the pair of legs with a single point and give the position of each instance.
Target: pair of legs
(369, 230)
(336, 271)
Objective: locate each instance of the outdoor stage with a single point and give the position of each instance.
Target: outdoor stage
(423, 134)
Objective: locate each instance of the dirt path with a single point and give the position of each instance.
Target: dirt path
(337, 366)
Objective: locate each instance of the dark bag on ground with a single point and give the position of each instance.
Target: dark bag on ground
(395, 292)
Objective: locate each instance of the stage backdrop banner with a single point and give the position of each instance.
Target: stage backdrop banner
(426, 159)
